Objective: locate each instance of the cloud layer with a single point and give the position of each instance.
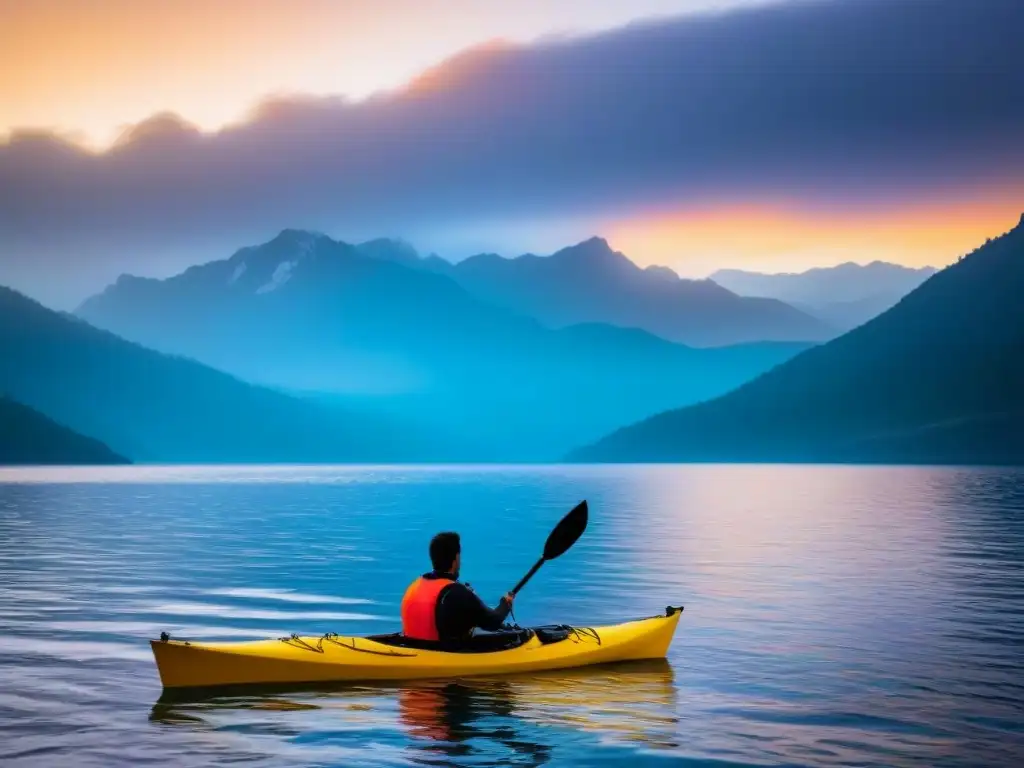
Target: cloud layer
(862, 101)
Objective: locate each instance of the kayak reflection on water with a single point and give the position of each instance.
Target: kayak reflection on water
(631, 702)
(460, 720)
(524, 718)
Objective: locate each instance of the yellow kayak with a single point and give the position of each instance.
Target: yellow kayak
(336, 658)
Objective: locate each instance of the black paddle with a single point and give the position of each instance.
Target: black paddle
(568, 530)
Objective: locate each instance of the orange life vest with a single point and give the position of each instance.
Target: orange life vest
(418, 606)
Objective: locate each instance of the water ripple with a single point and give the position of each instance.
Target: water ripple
(834, 616)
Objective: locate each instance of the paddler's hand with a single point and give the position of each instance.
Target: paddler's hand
(508, 598)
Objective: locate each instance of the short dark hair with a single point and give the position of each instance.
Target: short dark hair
(443, 549)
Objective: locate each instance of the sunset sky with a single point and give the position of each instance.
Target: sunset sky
(89, 68)
(146, 136)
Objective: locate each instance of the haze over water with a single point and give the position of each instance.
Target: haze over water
(834, 616)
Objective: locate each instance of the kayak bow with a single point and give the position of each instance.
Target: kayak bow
(334, 658)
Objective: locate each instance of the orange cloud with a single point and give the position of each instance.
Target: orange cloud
(696, 241)
(90, 69)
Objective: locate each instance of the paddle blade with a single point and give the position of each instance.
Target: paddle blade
(566, 532)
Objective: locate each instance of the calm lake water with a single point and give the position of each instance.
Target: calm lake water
(834, 616)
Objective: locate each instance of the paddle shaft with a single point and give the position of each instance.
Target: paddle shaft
(528, 576)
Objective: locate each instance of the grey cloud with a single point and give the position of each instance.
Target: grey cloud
(833, 102)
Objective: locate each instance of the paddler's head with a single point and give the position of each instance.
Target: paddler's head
(446, 553)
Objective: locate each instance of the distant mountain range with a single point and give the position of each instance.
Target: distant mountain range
(29, 437)
(376, 327)
(151, 407)
(938, 378)
(591, 283)
(843, 296)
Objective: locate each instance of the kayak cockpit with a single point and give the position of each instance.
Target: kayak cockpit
(484, 642)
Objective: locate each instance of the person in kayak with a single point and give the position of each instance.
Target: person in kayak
(437, 606)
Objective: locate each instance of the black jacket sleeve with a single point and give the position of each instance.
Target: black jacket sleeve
(461, 610)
